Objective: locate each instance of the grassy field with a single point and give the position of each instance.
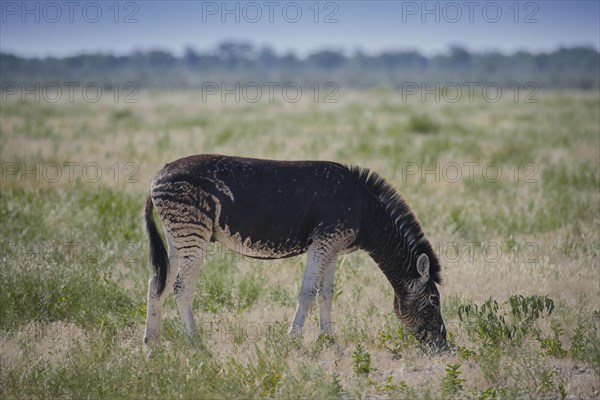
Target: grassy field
(508, 193)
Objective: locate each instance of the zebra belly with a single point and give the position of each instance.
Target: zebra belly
(258, 248)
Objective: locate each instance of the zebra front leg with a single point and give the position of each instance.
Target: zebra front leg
(155, 301)
(325, 298)
(318, 259)
(185, 288)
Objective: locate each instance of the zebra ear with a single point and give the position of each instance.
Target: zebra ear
(423, 267)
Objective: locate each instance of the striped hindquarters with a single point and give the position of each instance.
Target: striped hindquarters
(187, 213)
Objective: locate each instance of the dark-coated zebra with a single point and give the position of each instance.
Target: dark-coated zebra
(275, 209)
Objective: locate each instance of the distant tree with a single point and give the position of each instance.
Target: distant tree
(231, 51)
(160, 58)
(459, 57)
(267, 58)
(326, 59)
(191, 57)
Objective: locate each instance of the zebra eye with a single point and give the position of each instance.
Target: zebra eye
(434, 299)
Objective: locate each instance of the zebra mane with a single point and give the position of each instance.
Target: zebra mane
(405, 222)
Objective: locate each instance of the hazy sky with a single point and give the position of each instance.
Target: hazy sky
(69, 27)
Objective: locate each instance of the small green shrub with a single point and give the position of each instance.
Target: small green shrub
(396, 340)
(553, 344)
(547, 384)
(585, 342)
(362, 361)
(336, 383)
(493, 393)
(391, 386)
(452, 382)
(466, 354)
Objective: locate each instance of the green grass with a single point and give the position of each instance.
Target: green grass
(75, 268)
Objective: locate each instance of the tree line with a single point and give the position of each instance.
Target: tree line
(232, 61)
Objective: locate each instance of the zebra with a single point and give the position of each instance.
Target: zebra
(271, 209)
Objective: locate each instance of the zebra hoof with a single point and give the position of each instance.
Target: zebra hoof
(149, 345)
(294, 332)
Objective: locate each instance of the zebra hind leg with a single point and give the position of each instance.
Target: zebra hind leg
(187, 213)
(325, 298)
(185, 288)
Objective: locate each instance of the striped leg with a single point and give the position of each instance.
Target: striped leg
(185, 287)
(190, 240)
(319, 257)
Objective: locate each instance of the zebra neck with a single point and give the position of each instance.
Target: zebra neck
(386, 246)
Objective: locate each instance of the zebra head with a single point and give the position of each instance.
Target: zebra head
(417, 304)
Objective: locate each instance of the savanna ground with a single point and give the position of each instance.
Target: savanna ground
(74, 264)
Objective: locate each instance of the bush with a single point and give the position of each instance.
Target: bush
(491, 326)
(422, 124)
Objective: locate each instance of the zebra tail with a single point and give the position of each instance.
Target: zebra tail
(156, 247)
